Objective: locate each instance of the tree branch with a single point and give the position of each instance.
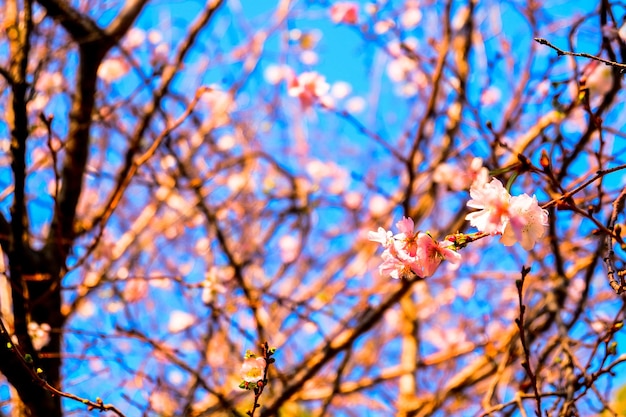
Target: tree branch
(562, 52)
(80, 27)
(124, 20)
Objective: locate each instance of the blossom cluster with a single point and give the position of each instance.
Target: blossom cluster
(309, 87)
(412, 252)
(517, 218)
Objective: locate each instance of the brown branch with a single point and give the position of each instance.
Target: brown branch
(79, 26)
(168, 75)
(562, 52)
(339, 343)
(522, 336)
(124, 20)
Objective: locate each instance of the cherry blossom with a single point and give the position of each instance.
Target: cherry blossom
(457, 178)
(411, 252)
(527, 223)
(493, 201)
(382, 236)
(253, 369)
(212, 286)
(39, 334)
(516, 218)
(179, 321)
(431, 253)
(308, 87)
(112, 69)
(345, 12)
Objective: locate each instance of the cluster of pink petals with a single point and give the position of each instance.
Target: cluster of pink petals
(345, 12)
(410, 252)
(308, 87)
(516, 218)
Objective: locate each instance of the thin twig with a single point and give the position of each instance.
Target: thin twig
(562, 52)
(520, 324)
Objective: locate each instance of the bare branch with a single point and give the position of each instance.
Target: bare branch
(562, 52)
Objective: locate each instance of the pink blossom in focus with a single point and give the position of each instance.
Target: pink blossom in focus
(410, 252)
(344, 12)
(517, 218)
(253, 369)
(492, 200)
(527, 223)
(308, 87)
(431, 253)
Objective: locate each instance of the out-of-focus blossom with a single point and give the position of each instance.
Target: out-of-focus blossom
(154, 36)
(411, 16)
(353, 200)
(403, 69)
(253, 369)
(113, 69)
(211, 286)
(163, 403)
(340, 89)
(383, 26)
(179, 321)
(50, 82)
(309, 58)
(457, 178)
(382, 236)
(598, 79)
(289, 248)
(517, 218)
(378, 205)
(135, 290)
(355, 104)
(309, 87)
(328, 174)
(39, 334)
(490, 96)
(527, 223)
(221, 104)
(275, 74)
(134, 38)
(411, 252)
(345, 12)
(47, 85)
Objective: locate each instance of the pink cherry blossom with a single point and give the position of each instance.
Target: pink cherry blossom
(345, 12)
(113, 69)
(493, 200)
(431, 253)
(309, 87)
(289, 248)
(516, 218)
(381, 236)
(410, 252)
(527, 223)
(458, 178)
(253, 369)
